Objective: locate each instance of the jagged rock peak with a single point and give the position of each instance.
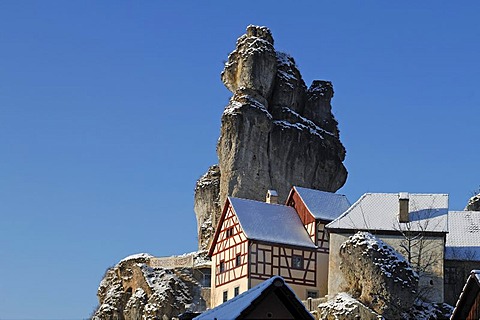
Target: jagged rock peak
(259, 32)
(252, 65)
(473, 203)
(207, 205)
(275, 131)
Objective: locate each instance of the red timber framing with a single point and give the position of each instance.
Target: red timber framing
(229, 242)
(267, 260)
(320, 237)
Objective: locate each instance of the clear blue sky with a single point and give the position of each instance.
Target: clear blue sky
(110, 111)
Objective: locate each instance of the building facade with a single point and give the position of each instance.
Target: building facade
(413, 224)
(257, 240)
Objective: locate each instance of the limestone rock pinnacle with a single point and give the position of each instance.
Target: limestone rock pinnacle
(275, 131)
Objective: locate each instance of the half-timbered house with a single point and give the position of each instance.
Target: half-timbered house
(257, 240)
(316, 209)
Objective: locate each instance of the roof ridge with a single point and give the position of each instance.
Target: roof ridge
(258, 201)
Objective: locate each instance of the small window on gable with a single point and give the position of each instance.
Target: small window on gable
(238, 260)
(222, 266)
(297, 262)
(236, 291)
(225, 296)
(229, 232)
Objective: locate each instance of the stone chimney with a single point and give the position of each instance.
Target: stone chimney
(403, 199)
(272, 197)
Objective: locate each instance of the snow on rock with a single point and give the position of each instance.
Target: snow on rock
(473, 203)
(344, 307)
(137, 256)
(133, 290)
(377, 275)
(275, 131)
(428, 311)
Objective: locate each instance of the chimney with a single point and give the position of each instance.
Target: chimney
(272, 197)
(403, 209)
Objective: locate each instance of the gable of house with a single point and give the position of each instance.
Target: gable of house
(317, 208)
(272, 299)
(256, 240)
(468, 304)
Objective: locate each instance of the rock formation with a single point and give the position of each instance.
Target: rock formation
(133, 290)
(275, 132)
(473, 203)
(381, 284)
(344, 307)
(377, 275)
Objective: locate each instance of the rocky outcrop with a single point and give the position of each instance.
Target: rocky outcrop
(275, 131)
(380, 284)
(345, 307)
(207, 205)
(134, 290)
(473, 203)
(377, 275)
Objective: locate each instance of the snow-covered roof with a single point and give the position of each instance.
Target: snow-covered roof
(467, 297)
(323, 205)
(271, 222)
(463, 238)
(234, 307)
(379, 211)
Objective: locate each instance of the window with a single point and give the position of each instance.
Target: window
(225, 296)
(451, 275)
(222, 266)
(297, 262)
(312, 294)
(236, 291)
(238, 260)
(229, 232)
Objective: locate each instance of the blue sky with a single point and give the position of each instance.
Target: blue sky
(110, 111)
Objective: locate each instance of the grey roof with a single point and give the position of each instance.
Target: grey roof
(463, 238)
(234, 307)
(379, 211)
(323, 205)
(271, 222)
